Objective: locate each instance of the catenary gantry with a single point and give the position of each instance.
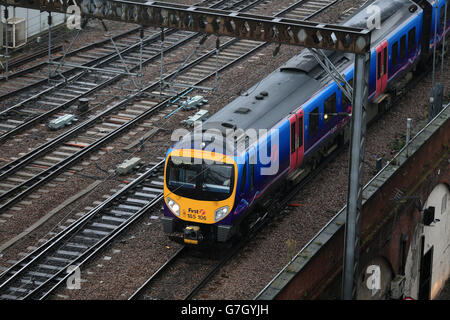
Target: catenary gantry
(213, 21)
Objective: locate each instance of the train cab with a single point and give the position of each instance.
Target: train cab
(199, 194)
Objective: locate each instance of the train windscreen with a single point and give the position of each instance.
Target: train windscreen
(200, 181)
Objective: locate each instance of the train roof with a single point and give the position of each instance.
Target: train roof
(290, 86)
(266, 103)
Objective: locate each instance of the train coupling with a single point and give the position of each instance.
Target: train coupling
(192, 235)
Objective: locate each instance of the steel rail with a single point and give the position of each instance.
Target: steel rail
(92, 46)
(76, 77)
(14, 63)
(100, 62)
(26, 262)
(71, 53)
(141, 290)
(93, 251)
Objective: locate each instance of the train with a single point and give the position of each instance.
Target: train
(216, 176)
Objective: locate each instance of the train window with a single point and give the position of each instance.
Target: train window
(330, 108)
(244, 177)
(395, 54)
(313, 121)
(293, 137)
(213, 182)
(403, 47)
(411, 39)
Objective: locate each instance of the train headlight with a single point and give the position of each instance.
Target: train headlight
(221, 213)
(173, 206)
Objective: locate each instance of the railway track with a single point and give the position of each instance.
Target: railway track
(46, 100)
(88, 55)
(188, 266)
(21, 60)
(41, 106)
(29, 171)
(24, 273)
(36, 276)
(37, 75)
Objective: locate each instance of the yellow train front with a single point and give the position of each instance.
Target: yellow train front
(199, 195)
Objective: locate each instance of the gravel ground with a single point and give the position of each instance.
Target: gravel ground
(132, 258)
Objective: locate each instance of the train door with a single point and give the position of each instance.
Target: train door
(300, 139)
(382, 67)
(296, 140)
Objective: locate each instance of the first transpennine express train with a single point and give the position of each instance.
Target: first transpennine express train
(211, 186)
